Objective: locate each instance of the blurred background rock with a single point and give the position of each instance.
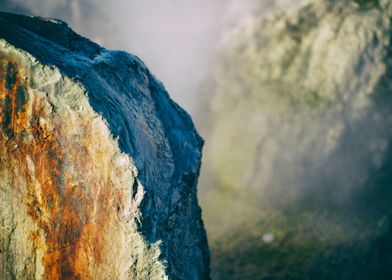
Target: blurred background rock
(294, 101)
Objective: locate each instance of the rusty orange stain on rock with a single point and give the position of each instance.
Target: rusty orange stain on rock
(62, 209)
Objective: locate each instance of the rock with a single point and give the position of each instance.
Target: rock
(298, 143)
(98, 167)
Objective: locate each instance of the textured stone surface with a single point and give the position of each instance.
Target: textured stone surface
(98, 167)
(299, 143)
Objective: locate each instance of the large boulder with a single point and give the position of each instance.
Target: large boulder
(98, 167)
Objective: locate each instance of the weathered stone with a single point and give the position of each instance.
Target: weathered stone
(98, 167)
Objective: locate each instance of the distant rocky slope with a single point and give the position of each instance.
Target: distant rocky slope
(298, 145)
(98, 167)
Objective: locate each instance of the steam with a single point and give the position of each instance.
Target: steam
(328, 157)
(270, 149)
(178, 40)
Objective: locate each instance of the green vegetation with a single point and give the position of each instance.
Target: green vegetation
(293, 255)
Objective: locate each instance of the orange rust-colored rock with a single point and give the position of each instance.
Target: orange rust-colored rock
(98, 166)
(69, 182)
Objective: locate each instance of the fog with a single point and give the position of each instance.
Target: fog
(326, 160)
(177, 39)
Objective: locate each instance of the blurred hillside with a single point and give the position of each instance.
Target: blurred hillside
(298, 145)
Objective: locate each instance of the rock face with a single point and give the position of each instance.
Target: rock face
(299, 144)
(98, 167)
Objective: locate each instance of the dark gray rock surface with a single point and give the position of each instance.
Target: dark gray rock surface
(151, 128)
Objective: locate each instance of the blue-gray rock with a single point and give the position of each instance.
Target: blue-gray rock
(152, 129)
